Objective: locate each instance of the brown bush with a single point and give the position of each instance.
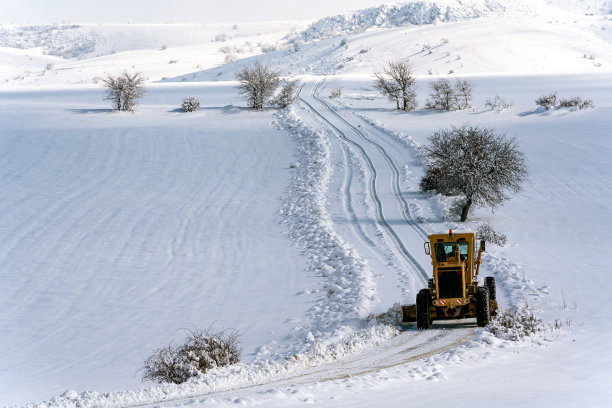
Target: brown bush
(202, 351)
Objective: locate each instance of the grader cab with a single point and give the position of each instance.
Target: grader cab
(453, 291)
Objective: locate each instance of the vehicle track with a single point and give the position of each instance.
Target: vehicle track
(371, 184)
(405, 208)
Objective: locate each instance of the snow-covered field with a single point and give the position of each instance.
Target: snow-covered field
(118, 231)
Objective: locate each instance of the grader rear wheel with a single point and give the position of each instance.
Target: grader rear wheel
(483, 313)
(423, 300)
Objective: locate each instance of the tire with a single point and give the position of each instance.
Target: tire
(423, 300)
(483, 313)
(490, 284)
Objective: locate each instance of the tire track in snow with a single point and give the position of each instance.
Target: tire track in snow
(409, 346)
(371, 185)
(395, 182)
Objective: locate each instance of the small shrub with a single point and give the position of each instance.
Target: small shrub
(547, 101)
(221, 37)
(576, 103)
(515, 324)
(288, 93)
(336, 93)
(191, 104)
(344, 42)
(485, 231)
(202, 351)
(497, 104)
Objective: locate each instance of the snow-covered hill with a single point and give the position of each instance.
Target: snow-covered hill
(71, 54)
(296, 227)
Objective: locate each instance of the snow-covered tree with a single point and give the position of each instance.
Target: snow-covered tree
(124, 90)
(258, 84)
(477, 164)
(191, 104)
(397, 84)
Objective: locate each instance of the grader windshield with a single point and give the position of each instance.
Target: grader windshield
(449, 251)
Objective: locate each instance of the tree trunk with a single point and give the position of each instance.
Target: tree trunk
(466, 209)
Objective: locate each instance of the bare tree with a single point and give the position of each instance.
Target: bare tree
(288, 93)
(397, 84)
(477, 164)
(124, 90)
(463, 94)
(442, 96)
(258, 84)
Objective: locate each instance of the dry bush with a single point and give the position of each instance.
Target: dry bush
(202, 351)
(191, 104)
(515, 324)
(576, 102)
(547, 101)
(497, 104)
(336, 93)
(485, 231)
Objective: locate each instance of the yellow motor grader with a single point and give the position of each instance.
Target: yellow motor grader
(453, 292)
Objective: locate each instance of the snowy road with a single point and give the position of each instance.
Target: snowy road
(411, 345)
(369, 201)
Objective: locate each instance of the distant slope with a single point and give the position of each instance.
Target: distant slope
(548, 42)
(399, 15)
(432, 12)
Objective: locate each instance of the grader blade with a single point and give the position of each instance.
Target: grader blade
(408, 313)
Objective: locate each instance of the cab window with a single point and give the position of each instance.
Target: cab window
(446, 251)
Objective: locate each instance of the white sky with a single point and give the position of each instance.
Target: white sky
(178, 11)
